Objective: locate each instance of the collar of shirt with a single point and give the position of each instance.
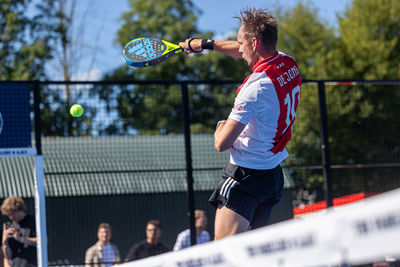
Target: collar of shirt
(265, 61)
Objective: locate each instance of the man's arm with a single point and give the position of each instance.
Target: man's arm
(230, 48)
(226, 134)
(5, 249)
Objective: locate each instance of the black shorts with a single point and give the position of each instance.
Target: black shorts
(250, 193)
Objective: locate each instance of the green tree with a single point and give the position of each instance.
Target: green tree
(370, 40)
(24, 39)
(367, 114)
(303, 35)
(370, 49)
(309, 39)
(154, 109)
(364, 46)
(69, 50)
(29, 33)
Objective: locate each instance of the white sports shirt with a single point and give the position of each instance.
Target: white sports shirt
(266, 103)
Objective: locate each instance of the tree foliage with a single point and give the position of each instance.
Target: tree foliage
(370, 40)
(69, 50)
(25, 33)
(366, 46)
(158, 109)
(309, 39)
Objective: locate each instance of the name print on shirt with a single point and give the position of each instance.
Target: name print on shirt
(288, 75)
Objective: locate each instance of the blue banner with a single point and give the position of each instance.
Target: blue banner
(15, 123)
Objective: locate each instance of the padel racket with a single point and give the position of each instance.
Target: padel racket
(143, 52)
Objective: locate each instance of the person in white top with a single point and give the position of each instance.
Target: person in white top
(202, 236)
(258, 127)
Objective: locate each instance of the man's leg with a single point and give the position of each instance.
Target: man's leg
(228, 222)
(264, 209)
(262, 214)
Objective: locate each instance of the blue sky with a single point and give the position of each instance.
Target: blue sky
(103, 23)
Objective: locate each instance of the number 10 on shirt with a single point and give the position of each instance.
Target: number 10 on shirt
(290, 102)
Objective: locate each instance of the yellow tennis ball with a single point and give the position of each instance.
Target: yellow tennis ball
(76, 110)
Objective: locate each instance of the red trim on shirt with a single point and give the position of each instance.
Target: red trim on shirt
(265, 60)
(283, 72)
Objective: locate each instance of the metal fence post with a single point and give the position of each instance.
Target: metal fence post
(36, 110)
(326, 161)
(189, 168)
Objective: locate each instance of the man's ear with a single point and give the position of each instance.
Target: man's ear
(255, 43)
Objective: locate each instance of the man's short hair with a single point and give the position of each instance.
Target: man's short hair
(12, 204)
(105, 226)
(260, 24)
(156, 223)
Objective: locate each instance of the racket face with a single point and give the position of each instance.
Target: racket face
(142, 52)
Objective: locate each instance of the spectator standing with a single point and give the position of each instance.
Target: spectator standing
(103, 253)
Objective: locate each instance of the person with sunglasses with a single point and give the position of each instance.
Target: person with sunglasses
(149, 247)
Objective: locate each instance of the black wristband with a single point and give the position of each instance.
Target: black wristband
(207, 44)
(191, 49)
